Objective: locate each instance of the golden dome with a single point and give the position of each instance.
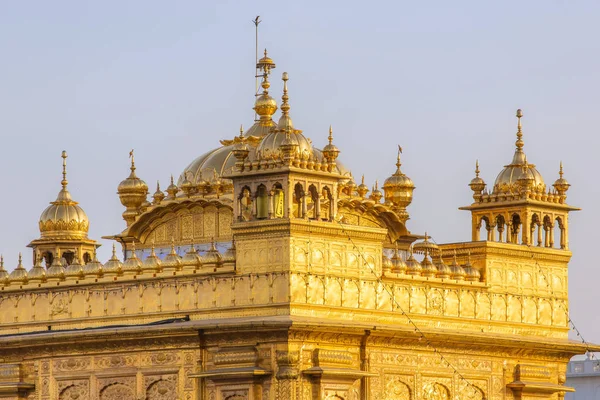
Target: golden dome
(64, 219)
(510, 178)
(443, 271)
(56, 270)
(133, 263)
(212, 256)
(159, 195)
(37, 272)
(398, 264)
(428, 269)
(386, 264)
(413, 267)
(172, 260)
(132, 191)
(75, 269)
(94, 267)
(472, 274)
(229, 256)
(398, 188)
(152, 263)
(561, 184)
(19, 274)
(477, 184)
(191, 259)
(3, 272)
(458, 272)
(376, 194)
(113, 266)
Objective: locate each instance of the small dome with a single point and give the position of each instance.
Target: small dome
(132, 264)
(172, 260)
(75, 270)
(443, 271)
(508, 180)
(398, 264)
(472, 274)
(413, 267)
(561, 184)
(398, 188)
(386, 264)
(3, 272)
(212, 256)
(229, 255)
(113, 266)
(152, 263)
(37, 272)
(64, 219)
(94, 268)
(458, 272)
(376, 194)
(132, 191)
(428, 269)
(56, 270)
(19, 274)
(159, 195)
(191, 259)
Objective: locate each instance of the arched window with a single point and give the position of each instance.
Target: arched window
(535, 229)
(559, 234)
(501, 225)
(515, 228)
(262, 205)
(48, 258)
(484, 234)
(87, 258)
(299, 201)
(68, 256)
(313, 207)
(548, 231)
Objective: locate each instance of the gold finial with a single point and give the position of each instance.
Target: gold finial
(285, 107)
(64, 173)
(20, 259)
(519, 143)
(131, 155)
(376, 184)
(560, 171)
(477, 168)
(330, 135)
(241, 131)
(362, 181)
(172, 183)
(1, 261)
(157, 186)
(114, 251)
(398, 163)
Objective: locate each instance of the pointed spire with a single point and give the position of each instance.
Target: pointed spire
(114, 251)
(330, 135)
(285, 122)
(519, 143)
(477, 168)
(241, 131)
(398, 163)
(560, 171)
(132, 156)
(1, 261)
(64, 181)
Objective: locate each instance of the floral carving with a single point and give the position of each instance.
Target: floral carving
(162, 390)
(75, 392)
(435, 391)
(395, 389)
(117, 391)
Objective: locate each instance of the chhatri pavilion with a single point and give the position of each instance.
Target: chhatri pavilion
(265, 272)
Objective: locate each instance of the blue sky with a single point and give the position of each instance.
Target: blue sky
(170, 79)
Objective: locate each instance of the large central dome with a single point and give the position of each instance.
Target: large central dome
(262, 138)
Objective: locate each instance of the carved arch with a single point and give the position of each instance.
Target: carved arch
(367, 213)
(161, 390)
(117, 391)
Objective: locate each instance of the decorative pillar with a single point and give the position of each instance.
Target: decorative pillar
(287, 374)
(539, 238)
(304, 206)
(492, 233)
(552, 234)
(317, 201)
(271, 206)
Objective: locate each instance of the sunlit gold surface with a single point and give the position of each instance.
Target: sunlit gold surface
(295, 283)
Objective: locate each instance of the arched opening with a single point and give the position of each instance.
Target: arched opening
(484, 234)
(535, 231)
(548, 231)
(262, 204)
(326, 204)
(299, 201)
(313, 207)
(87, 258)
(559, 234)
(278, 201)
(245, 204)
(69, 256)
(48, 258)
(500, 226)
(515, 228)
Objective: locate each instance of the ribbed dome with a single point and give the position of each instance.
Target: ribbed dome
(510, 179)
(64, 218)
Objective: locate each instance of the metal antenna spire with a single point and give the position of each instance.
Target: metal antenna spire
(256, 21)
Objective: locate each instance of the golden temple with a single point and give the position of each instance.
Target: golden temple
(265, 272)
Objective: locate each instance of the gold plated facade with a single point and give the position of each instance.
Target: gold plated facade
(267, 273)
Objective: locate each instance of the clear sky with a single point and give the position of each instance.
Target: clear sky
(170, 79)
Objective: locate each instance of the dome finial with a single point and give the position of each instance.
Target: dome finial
(64, 182)
(477, 169)
(114, 251)
(265, 106)
(560, 171)
(132, 156)
(398, 163)
(330, 135)
(519, 143)
(285, 122)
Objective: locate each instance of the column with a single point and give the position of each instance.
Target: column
(317, 201)
(271, 200)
